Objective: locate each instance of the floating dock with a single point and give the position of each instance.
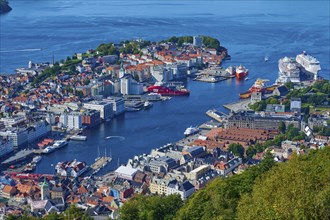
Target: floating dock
(78, 138)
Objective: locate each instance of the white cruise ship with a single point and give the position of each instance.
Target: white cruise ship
(310, 65)
(288, 71)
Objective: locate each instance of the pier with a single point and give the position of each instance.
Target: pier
(100, 163)
(238, 106)
(216, 115)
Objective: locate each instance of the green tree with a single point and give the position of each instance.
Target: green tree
(236, 149)
(282, 127)
(151, 207)
(250, 152)
(73, 212)
(220, 198)
(301, 186)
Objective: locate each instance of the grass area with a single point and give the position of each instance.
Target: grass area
(319, 109)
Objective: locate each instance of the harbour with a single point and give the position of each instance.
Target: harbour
(165, 121)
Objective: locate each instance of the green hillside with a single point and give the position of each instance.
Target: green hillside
(297, 189)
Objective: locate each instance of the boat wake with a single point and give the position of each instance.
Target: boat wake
(22, 50)
(116, 137)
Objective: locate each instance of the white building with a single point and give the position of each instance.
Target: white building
(64, 119)
(169, 187)
(105, 108)
(6, 146)
(12, 121)
(19, 136)
(129, 86)
(118, 104)
(197, 41)
(295, 104)
(74, 121)
(126, 172)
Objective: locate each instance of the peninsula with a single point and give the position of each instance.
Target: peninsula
(4, 6)
(219, 170)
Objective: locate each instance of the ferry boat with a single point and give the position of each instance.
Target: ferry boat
(36, 159)
(241, 72)
(48, 150)
(309, 64)
(191, 130)
(170, 90)
(59, 144)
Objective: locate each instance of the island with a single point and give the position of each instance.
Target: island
(4, 6)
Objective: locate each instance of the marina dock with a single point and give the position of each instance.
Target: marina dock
(100, 163)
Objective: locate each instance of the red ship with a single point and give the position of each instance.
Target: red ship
(241, 72)
(168, 91)
(258, 86)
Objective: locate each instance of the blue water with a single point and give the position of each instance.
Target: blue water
(250, 30)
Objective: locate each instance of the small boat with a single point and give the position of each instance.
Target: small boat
(48, 149)
(147, 105)
(266, 59)
(36, 159)
(191, 130)
(247, 78)
(78, 138)
(60, 143)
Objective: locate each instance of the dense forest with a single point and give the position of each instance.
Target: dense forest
(297, 189)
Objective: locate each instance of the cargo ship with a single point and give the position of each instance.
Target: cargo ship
(241, 72)
(168, 90)
(258, 86)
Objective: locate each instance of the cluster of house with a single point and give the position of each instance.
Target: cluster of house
(95, 91)
(43, 194)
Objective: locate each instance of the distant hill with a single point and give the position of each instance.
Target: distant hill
(4, 6)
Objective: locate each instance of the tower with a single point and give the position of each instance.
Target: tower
(122, 70)
(45, 192)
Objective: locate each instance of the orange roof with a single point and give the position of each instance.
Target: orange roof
(24, 188)
(8, 189)
(108, 199)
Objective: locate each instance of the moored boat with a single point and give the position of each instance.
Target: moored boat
(170, 90)
(241, 72)
(191, 130)
(147, 105)
(258, 86)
